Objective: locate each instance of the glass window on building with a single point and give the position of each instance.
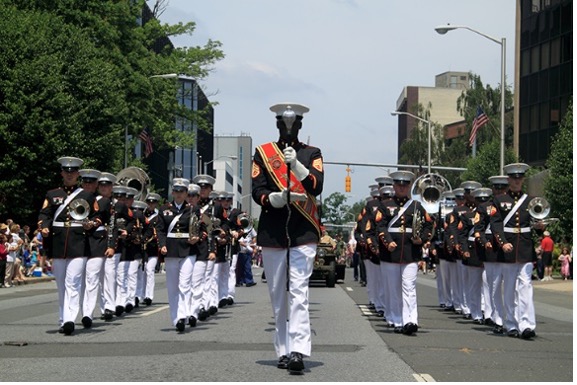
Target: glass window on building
(545, 55)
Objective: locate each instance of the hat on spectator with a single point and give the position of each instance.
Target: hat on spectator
(70, 163)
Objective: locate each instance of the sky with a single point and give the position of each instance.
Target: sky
(347, 60)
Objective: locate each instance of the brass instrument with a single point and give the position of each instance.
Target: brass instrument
(417, 224)
(428, 189)
(245, 222)
(539, 209)
(139, 232)
(79, 210)
(193, 225)
(134, 177)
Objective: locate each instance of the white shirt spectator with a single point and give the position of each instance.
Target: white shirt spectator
(246, 242)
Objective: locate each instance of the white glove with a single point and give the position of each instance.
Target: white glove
(295, 197)
(290, 157)
(277, 200)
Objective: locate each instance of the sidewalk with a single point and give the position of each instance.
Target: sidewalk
(557, 284)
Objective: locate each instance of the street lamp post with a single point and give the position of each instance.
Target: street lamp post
(428, 134)
(231, 157)
(443, 29)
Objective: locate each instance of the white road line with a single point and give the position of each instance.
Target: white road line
(349, 288)
(155, 311)
(423, 377)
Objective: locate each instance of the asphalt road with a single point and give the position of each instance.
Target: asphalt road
(349, 342)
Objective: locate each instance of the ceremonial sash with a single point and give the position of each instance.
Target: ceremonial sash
(273, 159)
(401, 212)
(514, 210)
(67, 202)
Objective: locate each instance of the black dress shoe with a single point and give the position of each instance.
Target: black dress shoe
(212, 310)
(410, 328)
(380, 313)
(498, 329)
(488, 322)
(398, 329)
(192, 321)
(250, 284)
(87, 322)
(202, 314)
(283, 362)
(528, 334)
(108, 315)
(68, 328)
(222, 303)
(296, 364)
(136, 302)
(478, 321)
(442, 305)
(129, 308)
(513, 333)
(61, 330)
(449, 308)
(230, 301)
(180, 325)
(119, 310)
(148, 301)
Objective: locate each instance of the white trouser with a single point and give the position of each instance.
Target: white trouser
(131, 281)
(146, 281)
(518, 296)
(92, 282)
(232, 276)
(122, 274)
(401, 286)
(446, 271)
(486, 303)
(462, 294)
(374, 285)
(384, 291)
(69, 274)
(495, 283)
(209, 285)
(197, 300)
(296, 336)
(442, 297)
(455, 284)
(109, 284)
(474, 290)
(179, 272)
(222, 271)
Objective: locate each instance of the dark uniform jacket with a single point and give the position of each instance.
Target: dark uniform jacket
(467, 240)
(484, 233)
(97, 240)
(272, 222)
(368, 227)
(517, 230)
(176, 247)
(222, 249)
(234, 225)
(454, 232)
(120, 218)
(153, 217)
(401, 229)
(138, 231)
(67, 238)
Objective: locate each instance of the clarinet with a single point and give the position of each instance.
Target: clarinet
(111, 226)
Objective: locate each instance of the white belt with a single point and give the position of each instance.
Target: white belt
(66, 224)
(101, 228)
(177, 235)
(517, 230)
(472, 239)
(488, 232)
(400, 230)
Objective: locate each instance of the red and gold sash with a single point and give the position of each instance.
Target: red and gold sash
(273, 158)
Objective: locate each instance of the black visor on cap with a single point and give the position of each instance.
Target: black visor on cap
(69, 169)
(179, 189)
(403, 182)
(88, 180)
(107, 182)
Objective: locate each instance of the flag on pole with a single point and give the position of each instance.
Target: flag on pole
(146, 139)
(480, 120)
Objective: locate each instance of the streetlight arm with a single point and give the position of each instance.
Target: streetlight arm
(409, 114)
(443, 29)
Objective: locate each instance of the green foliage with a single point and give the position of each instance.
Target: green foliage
(336, 211)
(559, 184)
(74, 75)
(487, 163)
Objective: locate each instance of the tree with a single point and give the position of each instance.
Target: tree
(487, 162)
(559, 183)
(74, 75)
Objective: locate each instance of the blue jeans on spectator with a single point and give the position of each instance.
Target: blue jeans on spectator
(245, 261)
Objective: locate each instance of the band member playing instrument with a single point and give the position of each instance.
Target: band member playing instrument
(63, 230)
(146, 281)
(288, 233)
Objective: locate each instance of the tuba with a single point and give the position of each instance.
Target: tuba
(135, 177)
(539, 209)
(245, 222)
(79, 209)
(428, 189)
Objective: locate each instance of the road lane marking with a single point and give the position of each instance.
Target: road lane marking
(349, 288)
(423, 377)
(155, 311)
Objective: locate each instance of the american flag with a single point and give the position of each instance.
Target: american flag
(480, 120)
(146, 139)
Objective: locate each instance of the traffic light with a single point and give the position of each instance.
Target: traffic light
(348, 183)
